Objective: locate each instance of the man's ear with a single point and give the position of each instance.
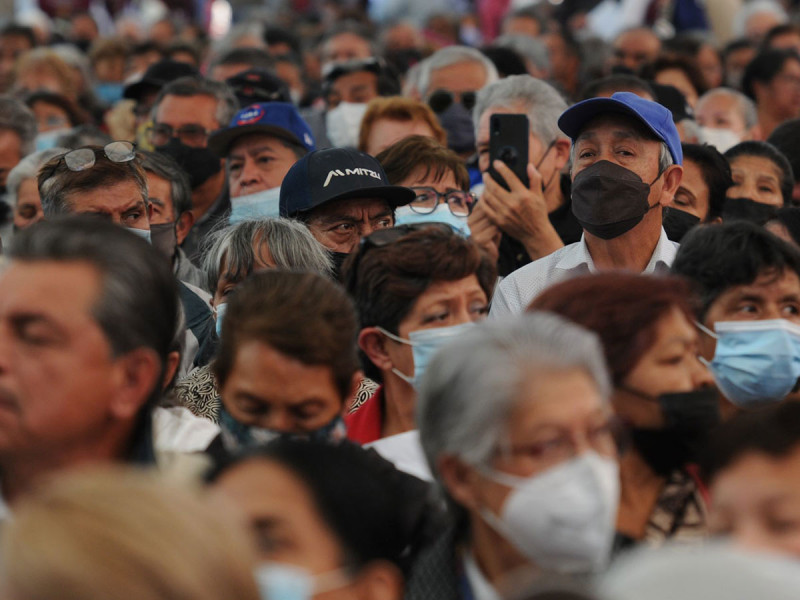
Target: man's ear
(183, 225)
(561, 148)
(379, 580)
(373, 343)
(138, 374)
(672, 180)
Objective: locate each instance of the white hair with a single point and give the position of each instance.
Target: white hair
(472, 385)
(753, 8)
(540, 101)
(453, 55)
(746, 106)
(531, 49)
(28, 168)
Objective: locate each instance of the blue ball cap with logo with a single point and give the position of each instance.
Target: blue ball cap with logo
(279, 119)
(652, 115)
(335, 174)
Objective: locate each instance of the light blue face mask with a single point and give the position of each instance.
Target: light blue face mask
(260, 205)
(220, 309)
(48, 139)
(425, 343)
(756, 362)
(279, 581)
(109, 93)
(142, 233)
(403, 215)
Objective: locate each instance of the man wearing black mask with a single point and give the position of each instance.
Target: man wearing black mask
(185, 113)
(341, 195)
(626, 165)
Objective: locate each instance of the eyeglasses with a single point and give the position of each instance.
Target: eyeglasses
(385, 237)
(160, 134)
(440, 100)
(460, 203)
(85, 158)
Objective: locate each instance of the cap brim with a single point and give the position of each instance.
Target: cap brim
(395, 195)
(574, 119)
(221, 141)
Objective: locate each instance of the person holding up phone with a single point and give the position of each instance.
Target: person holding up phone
(524, 216)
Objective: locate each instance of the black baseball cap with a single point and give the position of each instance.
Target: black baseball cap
(336, 174)
(158, 75)
(258, 85)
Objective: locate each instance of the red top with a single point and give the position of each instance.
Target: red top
(365, 424)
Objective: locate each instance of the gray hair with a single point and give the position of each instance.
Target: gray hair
(17, 117)
(470, 387)
(453, 55)
(529, 48)
(28, 168)
(540, 101)
(753, 8)
(137, 306)
(290, 244)
(746, 106)
(164, 166)
(193, 85)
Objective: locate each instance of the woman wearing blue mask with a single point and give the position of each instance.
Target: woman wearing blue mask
(329, 521)
(663, 394)
(416, 287)
(437, 176)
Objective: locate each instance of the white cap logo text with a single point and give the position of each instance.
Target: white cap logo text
(358, 171)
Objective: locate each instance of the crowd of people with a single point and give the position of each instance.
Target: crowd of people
(400, 300)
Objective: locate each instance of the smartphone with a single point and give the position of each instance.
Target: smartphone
(508, 141)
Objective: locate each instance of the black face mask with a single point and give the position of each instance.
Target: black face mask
(199, 163)
(689, 418)
(609, 200)
(677, 223)
(338, 259)
(164, 239)
(745, 209)
(457, 122)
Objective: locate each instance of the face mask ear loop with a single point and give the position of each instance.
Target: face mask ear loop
(706, 330)
(394, 337)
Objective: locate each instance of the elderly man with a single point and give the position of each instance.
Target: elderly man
(185, 113)
(342, 195)
(87, 317)
(261, 144)
(170, 204)
(635, 47)
(110, 182)
(449, 81)
(727, 117)
(535, 220)
(626, 166)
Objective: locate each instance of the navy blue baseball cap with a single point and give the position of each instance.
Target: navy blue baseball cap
(279, 119)
(652, 115)
(337, 174)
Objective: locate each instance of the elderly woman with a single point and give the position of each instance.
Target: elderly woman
(233, 254)
(762, 182)
(662, 393)
(415, 288)
(22, 191)
(515, 423)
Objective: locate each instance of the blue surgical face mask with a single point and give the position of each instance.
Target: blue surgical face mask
(238, 437)
(425, 343)
(142, 233)
(279, 581)
(109, 93)
(220, 309)
(756, 362)
(260, 205)
(403, 215)
(48, 139)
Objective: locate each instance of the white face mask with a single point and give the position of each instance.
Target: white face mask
(722, 139)
(278, 581)
(343, 123)
(258, 205)
(562, 519)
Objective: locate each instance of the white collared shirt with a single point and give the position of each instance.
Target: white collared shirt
(515, 292)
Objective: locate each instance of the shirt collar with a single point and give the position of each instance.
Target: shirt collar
(578, 255)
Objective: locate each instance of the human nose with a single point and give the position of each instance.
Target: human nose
(701, 376)
(751, 536)
(251, 174)
(279, 420)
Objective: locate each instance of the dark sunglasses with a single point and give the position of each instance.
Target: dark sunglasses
(440, 100)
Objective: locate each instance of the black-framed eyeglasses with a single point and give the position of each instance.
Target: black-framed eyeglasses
(440, 100)
(160, 134)
(384, 237)
(459, 202)
(85, 158)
